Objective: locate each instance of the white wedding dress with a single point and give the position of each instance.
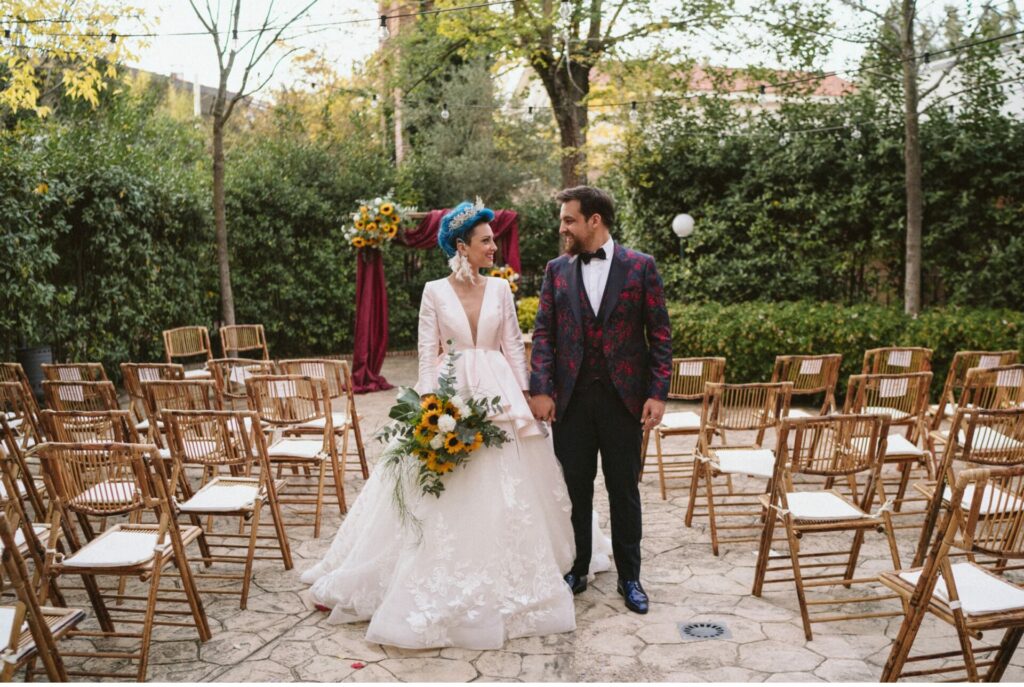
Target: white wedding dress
(483, 563)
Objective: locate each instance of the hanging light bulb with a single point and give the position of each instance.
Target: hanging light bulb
(384, 33)
(374, 102)
(856, 133)
(565, 11)
(234, 37)
(633, 113)
(113, 38)
(445, 114)
(784, 140)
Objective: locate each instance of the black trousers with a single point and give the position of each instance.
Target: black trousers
(597, 421)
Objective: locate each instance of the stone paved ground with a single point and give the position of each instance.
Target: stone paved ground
(282, 638)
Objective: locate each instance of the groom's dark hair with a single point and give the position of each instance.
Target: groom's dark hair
(593, 201)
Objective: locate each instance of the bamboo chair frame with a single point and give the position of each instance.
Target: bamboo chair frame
(83, 396)
(215, 440)
(19, 409)
(689, 375)
(106, 480)
(811, 375)
(990, 526)
(734, 407)
(986, 388)
(230, 375)
(188, 343)
(816, 451)
(177, 394)
(46, 625)
(241, 338)
(285, 402)
(24, 483)
(14, 372)
(134, 374)
(904, 398)
(74, 372)
(90, 427)
(956, 378)
(338, 376)
(990, 438)
(897, 360)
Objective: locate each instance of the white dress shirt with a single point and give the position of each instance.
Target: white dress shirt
(595, 275)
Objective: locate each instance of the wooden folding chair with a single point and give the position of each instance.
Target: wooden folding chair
(996, 387)
(27, 485)
(956, 378)
(134, 374)
(338, 376)
(285, 402)
(981, 438)
(181, 394)
(689, 375)
(903, 398)
(215, 441)
(187, 344)
(90, 427)
(108, 480)
(811, 375)
(242, 338)
(735, 407)
(848, 447)
(230, 375)
(19, 494)
(897, 360)
(984, 517)
(15, 373)
(29, 630)
(19, 409)
(74, 372)
(84, 396)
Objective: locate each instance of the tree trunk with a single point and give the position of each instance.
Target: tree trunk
(912, 165)
(227, 299)
(567, 91)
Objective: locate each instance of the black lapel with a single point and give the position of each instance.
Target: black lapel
(573, 280)
(616, 279)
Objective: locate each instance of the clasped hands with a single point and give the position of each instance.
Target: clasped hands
(543, 408)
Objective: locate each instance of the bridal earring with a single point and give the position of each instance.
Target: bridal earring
(460, 266)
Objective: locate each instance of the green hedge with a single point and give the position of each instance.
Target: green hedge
(527, 311)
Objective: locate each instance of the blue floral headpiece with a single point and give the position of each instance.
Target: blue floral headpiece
(459, 220)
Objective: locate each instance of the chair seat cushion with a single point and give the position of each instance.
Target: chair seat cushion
(199, 373)
(115, 549)
(799, 412)
(986, 437)
(224, 496)
(682, 420)
(338, 421)
(109, 491)
(980, 591)
(993, 500)
(895, 413)
(22, 490)
(41, 532)
(895, 445)
(822, 505)
(757, 462)
(296, 448)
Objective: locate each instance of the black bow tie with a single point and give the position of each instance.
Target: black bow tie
(598, 254)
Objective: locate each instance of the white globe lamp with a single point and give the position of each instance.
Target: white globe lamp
(682, 225)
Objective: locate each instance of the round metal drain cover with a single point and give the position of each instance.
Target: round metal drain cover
(703, 630)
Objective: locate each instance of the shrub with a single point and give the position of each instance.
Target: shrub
(528, 312)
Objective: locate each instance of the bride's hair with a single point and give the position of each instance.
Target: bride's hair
(461, 267)
(458, 225)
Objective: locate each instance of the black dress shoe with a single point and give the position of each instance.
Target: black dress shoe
(577, 584)
(636, 597)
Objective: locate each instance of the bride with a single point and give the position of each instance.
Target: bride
(484, 561)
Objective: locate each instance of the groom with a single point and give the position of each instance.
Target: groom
(602, 359)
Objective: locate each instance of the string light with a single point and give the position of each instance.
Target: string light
(633, 113)
(384, 33)
(445, 114)
(856, 133)
(373, 101)
(565, 11)
(113, 38)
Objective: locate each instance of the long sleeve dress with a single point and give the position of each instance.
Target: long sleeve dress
(483, 563)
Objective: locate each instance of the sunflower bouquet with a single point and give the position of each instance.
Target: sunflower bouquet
(508, 274)
(439, 430)
(375, 223)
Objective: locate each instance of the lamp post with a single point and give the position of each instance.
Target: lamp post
(682, 226)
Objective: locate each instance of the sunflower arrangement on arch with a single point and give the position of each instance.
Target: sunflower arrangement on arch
(440, 430)
(375, 223)
(508, 274)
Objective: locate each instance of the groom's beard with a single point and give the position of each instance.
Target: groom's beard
(569, 245)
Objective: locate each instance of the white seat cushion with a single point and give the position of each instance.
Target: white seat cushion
(799, 412)
(948, 411)
(7, 615)
(41, 532)
(986, 437)
(22, 490)
(980, 592)
(895, 445)
(894, 413)
(115, 491)
(821, 505)
(682, 420)
(142, 426)
(114, 549)
(223, 498)
(300, 448)
(197, 374)
(993, 500)
(758, 462)
(338, 420)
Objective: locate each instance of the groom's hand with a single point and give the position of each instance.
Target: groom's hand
(543, 407)
(652, 413)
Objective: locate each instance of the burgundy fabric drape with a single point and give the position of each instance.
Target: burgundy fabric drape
(505, 226)
(371, 335)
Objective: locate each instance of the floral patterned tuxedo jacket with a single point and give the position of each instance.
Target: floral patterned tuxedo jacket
(635, 331)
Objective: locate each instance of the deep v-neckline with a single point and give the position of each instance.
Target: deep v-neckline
(465, 314)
